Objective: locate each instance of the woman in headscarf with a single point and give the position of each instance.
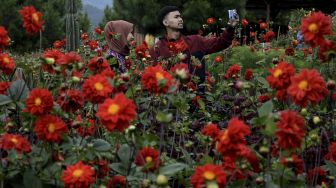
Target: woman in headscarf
(118, 35)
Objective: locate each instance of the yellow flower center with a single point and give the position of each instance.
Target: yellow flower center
(159, 75)
(77, 173)
(303, 85)
(208, 175)
(35, 17)
(51, 127)
(113, 109)
(277, 73)
(149, 159)
(6, 60)
(14, 140)
(38, 101)
(313, 28)
(225, 135)
(99, 86)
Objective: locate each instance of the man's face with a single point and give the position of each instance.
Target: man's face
(173, 20)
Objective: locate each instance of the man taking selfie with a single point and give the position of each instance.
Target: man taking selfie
(191, 45)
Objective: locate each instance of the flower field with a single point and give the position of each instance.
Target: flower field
(264, 117)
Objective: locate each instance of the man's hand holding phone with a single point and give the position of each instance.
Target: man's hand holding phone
(233, 18)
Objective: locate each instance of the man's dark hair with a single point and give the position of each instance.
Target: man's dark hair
(166, 10)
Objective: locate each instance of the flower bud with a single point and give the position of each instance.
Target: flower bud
(331, 84)
(50, 61)
(314, 137)
(263, 149)
(145, 183)
(212, 184)
(161, 180)
(316, 120)
(303, 111)
(259, 180)
(75, 79)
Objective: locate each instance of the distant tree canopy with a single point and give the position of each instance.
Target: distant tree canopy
(53, 13)
(195, 12)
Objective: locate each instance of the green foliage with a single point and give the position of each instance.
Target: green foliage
(244, 56)
(84, 22)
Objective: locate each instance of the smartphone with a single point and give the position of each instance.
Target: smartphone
(233, 14)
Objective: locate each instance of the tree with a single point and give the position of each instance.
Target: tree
(107, 16)
(84, 22)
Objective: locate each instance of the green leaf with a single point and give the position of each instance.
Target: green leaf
(164, 118)
(18, 90)
(101, 145)
(330, 166)
(172, 169)
(4, 99)
(270, 127)
(124, 154)
(263, 81)
(119, 168)
(266, 109)
(31, 180)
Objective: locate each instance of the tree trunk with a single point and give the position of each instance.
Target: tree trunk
(72, 27)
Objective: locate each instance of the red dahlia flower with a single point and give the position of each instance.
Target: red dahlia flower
(148, 158)
(4, 39)
(308, 85)
(70, 100)
(117, 113)
(117, 181)
(16, 142)
(49, 128)
(290, 130)
(39, 101)
(98, 65)
(156, 80)
(3, 87)
(331, 155)
(294, 162)
(211, 130)
(97, 88)
(231, 141)
(6, 64)
(78, 175)
(207, 174)
(314, 28)
(32, 19)
(280, 75)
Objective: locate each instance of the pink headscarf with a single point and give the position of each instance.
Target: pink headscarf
(121, 27)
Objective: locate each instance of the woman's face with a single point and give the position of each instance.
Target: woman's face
(130, 37)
